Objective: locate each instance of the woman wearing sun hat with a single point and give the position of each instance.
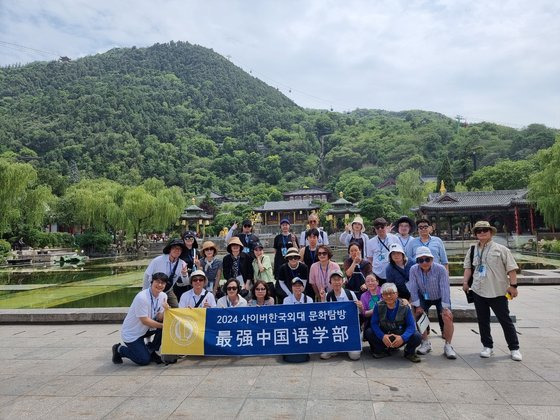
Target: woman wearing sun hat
(355, 233)
(291, 269)
(237, 265)
(198, 296)
(211, 266)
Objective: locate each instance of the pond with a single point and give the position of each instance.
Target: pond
(113, 282)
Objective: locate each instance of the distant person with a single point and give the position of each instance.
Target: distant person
(434, 243)
(322, 238)
(356, 269)
(355, 233)
(378, 248)
(405, 227)
(246, 236)
(282, 242)
(143, 321)
(494, 273)
(174, 267)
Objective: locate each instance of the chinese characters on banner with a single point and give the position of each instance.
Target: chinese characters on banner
(280, 329)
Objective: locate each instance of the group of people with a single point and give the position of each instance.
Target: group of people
(393, 278)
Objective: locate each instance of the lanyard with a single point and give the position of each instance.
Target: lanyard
(325, 275)
(426, 244)
(382, 243)
(285, 240)
(313, 255)
(153, 306)
(425, 281)
(404, 244)
(480, 254)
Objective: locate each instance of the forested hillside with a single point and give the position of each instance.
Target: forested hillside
(186, 115)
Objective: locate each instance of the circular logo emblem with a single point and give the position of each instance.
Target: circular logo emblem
(183, 331)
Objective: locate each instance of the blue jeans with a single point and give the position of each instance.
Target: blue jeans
(377, 345)
(140, 352)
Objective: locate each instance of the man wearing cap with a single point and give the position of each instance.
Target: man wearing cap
(323, 238)
(429, 286)
(297, 296)
(143, 319)
(405, 227)
(435, 244)
(190, 252)
(340, 294)
(291, 269)
(378, 248)
(494, 276)
(355, 233)
(170, 264)
(198, 296)
(246, 236)
(282, 242)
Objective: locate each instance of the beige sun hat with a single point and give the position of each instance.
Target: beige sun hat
(483, 224)
(359, 220)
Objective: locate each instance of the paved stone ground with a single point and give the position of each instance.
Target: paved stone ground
(65, 371)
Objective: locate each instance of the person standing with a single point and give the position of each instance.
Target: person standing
(190, 252)
(236, 264)
(308, 253)
(174, 267)
(262, 268)
(355, 233)
(322, 237)
(494, 276)
(356, 269)
(246, 236)
(405, 227)
(282, 242)
(211, 266)
(378, 248)
(291, 269)
(434, 243)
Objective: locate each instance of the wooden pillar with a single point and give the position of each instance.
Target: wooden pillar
(265, 223)
(294, 219)
(451, 227)
(532, 218)
(517, 226)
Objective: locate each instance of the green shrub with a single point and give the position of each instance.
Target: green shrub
(5, 249)
(94, 242)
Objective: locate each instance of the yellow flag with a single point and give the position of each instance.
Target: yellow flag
(183, 331)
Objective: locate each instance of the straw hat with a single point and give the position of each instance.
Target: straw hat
(234, 241)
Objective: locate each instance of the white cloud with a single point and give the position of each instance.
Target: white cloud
(491, 60)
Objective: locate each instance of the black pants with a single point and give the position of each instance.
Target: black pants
(378, 346)
(499, 306)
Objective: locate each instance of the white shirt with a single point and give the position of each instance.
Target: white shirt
(343, 297)
(161, 264)
(189, 299)
(378, 253)
(322, 240)
(290, 299)
(144, 304)
(223, 302)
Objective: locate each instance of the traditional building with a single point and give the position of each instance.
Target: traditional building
(453, 213)
(308, 194)
(195, 218)
(340, 213)
(296, 211)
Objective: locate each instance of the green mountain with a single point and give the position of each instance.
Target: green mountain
(187, 115)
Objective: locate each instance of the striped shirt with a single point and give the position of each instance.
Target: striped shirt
(432, 285)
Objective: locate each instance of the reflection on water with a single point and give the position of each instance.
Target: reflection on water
(118, 298)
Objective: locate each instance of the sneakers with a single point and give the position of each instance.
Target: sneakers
(516, 355)
(425, 347)
(326, 356)
(380, 355)
(449, 352)
(413, 357)
(117, 359)
(487, 352)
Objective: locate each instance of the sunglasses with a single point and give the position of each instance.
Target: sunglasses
(483, 230)
(423, 227)
(423, 260)
(231, 288)
(260, 289)
(322, 253)
(197, 279)
(293, 258)
(379, 227)
(313, 221)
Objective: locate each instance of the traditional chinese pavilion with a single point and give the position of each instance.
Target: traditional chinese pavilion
(316, 194)
(341, 212)
(296, 211)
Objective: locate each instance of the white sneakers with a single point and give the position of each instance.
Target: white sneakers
(326, 356)
(449, 352)
(486, 352)
(516, 355)
(425, 347)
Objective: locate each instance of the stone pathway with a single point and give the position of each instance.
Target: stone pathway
(65, 371)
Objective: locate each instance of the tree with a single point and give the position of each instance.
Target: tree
(505, 175)
(445, 175)
(380, 204)
(544, 185)
(410, 189)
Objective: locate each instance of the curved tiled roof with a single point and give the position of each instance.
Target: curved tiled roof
(476, 200)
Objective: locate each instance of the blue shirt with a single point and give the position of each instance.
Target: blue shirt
(432, 285)
(407, 246)
(391, 314)
(397, 275)
(435, 245)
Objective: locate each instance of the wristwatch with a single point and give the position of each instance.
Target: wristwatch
(513, 285)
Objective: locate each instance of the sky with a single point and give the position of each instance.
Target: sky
(495, 61)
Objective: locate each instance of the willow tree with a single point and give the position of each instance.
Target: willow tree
(544, 185)
(152, 207)
(22, 201)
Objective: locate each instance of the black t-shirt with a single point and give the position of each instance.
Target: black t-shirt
(286, 274)
(281, 245)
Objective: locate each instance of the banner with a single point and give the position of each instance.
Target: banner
(267, 330)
